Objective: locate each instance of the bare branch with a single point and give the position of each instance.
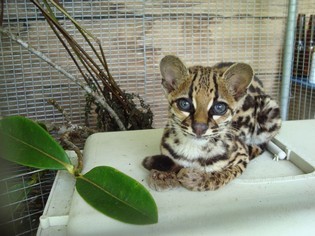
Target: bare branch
(100, 100)
(65, 138)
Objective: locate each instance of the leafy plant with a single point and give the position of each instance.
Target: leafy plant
(113, 193)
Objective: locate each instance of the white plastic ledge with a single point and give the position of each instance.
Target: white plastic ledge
(270, 198)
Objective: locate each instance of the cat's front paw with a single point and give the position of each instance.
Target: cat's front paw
(162, 181)
(159, 162)
(196, 180)
(254, 151)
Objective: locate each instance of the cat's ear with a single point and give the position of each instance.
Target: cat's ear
(238, 77)
(173, 71)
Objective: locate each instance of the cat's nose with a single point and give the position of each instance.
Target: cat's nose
(200, 128)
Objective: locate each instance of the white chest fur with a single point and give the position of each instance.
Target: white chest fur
(191, 148)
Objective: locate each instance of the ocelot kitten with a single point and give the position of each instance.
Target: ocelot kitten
(219, 119)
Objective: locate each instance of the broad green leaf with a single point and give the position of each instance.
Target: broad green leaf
(27, 143)
(117, 196)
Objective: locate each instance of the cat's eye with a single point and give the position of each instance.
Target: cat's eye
(219, 108)
(184, 105)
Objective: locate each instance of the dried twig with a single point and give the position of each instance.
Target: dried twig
(115, 108)
(98, 99)
(93, 68)
(54, 103)
(65, 138)
(69, 133)
(1, 12)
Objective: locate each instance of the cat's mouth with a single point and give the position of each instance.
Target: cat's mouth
(204, 137)
(211, 134)
(201, 136)
(193, 135)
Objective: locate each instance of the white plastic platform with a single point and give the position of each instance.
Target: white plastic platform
(270, 198)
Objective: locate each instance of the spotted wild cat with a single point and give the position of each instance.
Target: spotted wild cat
(219, 119)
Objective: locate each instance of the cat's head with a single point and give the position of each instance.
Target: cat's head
(203, 100)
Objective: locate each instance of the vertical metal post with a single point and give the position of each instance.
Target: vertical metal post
(288, 59)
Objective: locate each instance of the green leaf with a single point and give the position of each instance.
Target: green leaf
(117, 196)
(27, 143)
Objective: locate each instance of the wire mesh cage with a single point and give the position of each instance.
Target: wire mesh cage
(303, 77)
(24, 192)
(134, 35)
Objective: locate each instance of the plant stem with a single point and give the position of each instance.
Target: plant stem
(66, 139)
(60, 109)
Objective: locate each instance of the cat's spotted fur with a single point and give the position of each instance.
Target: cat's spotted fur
(219, 119)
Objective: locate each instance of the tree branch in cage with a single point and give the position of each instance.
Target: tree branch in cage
(1, 12)
(94, 69)
(54, 103)
(65, 139)
(70, 133)
(98, 99)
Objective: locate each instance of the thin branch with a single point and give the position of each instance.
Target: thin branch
(1, 12)
(54, 103)
(82, 55)
(57, 28)
(100, 100)
(65, 138)
(77, 25)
